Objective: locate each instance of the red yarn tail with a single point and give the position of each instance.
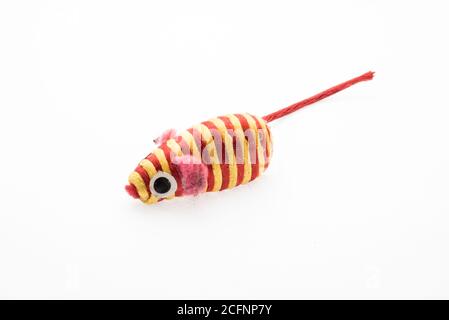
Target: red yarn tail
(296, 106)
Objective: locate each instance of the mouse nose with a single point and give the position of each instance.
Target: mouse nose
(132, 191)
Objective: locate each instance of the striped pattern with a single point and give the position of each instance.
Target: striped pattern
(236, 149)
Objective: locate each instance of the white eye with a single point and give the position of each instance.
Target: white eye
(163, 185)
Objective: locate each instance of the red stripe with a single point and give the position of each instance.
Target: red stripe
(240, 165)
(132, 191)
(146, 179)
(155, 161)
(269, 151)
(185, 147)
(269, 141)
(252, 147)
(221, 153)
(264, 142)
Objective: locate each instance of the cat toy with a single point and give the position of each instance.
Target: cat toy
(214, 155)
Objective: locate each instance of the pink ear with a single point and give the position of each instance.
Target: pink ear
(193, 174)
(166, 135)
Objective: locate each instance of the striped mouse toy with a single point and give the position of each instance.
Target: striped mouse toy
(214, 155)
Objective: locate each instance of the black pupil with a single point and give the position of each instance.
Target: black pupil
(162, 185)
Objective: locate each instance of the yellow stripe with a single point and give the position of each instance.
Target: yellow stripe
(229, 151)
(267, 137)
(241, 136)
(174, 147)
(152, 199)
(137, 181)
(260, 157)
(188, 138)
(149, 167)
(212, 151)
(159, 153)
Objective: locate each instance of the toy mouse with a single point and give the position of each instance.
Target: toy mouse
(214, 155)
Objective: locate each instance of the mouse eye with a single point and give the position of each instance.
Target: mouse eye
(163, 185)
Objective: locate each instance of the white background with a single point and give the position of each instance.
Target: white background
(354, 204)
